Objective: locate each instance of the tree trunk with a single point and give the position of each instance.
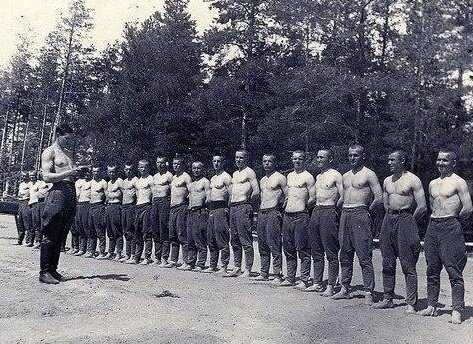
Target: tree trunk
(4, 135)
(25, 138)
(40, 146)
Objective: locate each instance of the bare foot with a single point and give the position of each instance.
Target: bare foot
(342, 294)
(456, 317)
(368, 299)
(328, 292)
(246, 273)
(383, 304)
(410, 310)
(315, 287)
(428, 312)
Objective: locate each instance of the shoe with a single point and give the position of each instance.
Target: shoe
(56, 275)
(89, 255)
(109, 255)
(162, 264)
(156, 262)
(385, 304)
(131, 261)
(185, 267)
(246, 273)
(117, 257)
(48, 279)
(315, 287)
(124, 259)
(101, 256)
(170, 264)
(37, 246)
(222, 270)
(79, 253)
(261, 278)
(146, 261)
(277, 281)
(210, 270)
(73, 252)
(234, 273)
(198, 269)
(287, 283)
(301, 285)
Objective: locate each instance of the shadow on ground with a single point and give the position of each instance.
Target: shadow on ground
(116, 277)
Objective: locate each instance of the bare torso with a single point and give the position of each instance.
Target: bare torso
(62, 160)
(179, 190)
(129, 191)
(298, 191)
(143, 190)
(97, 191)
(326, 187)
(114, 191)
(34, 191)
(218, 187)
(271, 190)
(24, 191)
(444, 198)
(399, 192)
(357, 191)
(197, 192)
(162, 184)
(241, 186)
(85, 191)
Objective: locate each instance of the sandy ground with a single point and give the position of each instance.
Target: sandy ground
(105, 301)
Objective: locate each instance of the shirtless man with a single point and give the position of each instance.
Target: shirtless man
(24, 211)
(323, 226)
(87, 237)
(399, 236)
(300, 197)
(160, 211)
(218, 230)
(32, 201)
(244, 190)
(273, 188)
(60, 205)
(444, 243)
(142, 224)
(39, 191)
(98, 187)
(197, 218)
(113, 212)
(362, 194)
(128, 211)
(178, 214)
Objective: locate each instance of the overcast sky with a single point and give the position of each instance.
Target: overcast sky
(38, 18)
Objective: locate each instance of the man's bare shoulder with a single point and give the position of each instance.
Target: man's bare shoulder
(308, 177)
(249, 171)
(412, 178)
(347, 174)
(48, 152)
(369, 172)
(281, 177)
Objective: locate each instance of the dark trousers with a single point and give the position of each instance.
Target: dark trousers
(82, 224)
(295, 241)
(178, 232)
(36, 211)
(269, 229)
(218, 234)
(128, 225)
(197, 237)
(24, 221)
(96, 228)
(113, 221)
(444, 246)
(160, 209)
(241, 217)
(57, 217)
(355, 236)
(399, 237)
(74, 234)
(143, 237)
(323, 237)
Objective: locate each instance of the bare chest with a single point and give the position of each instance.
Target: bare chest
(357, 181)
(400, 187)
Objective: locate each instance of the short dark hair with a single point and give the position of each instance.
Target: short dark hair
(299, 151)
(64, 129)
(358, 146)
(402, 154)
(271, 154)
(242, 150)
(129, 163)
(451, 151)
(329, 151)
(112, 164)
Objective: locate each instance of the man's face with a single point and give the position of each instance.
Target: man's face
(323, 159)
(32, 176)
(395, 162)
(298, 160)
(217, 162)
(112, 172)
(177, 165)
(240, 159)
(445, 162)
(355, 157)
(128, 170)
(66, 140)
(197, 169)
(24, 177)
(161, 164)
(268, 163)
(96, 173)
(142, 167)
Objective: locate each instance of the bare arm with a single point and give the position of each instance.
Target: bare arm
(254, 186)
(376, 190)
(283, 186)
(339, 184)
(465, 198)
(385, 196)
(311, 189)
(207, 191)
(47, 166)
(419, 196)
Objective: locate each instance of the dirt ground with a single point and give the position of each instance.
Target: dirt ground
(105, 301)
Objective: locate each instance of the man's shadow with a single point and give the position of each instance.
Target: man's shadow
(116, 277)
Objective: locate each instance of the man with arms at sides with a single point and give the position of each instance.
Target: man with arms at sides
(42, 190)
(218, 231)
(273, 188)
(444, 243)
(128, 211)
(60, 205)
(98, 187)
(142, 224)
(323, 225)
(399, 236)
(178, 214)
(160, 211)
(113, 214)
(197, 218)
(87, 237)
(362, 193)
(24, 211)
(32, 204)
(295, 240)
(243, 191)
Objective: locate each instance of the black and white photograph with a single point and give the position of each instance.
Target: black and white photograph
(236, 171)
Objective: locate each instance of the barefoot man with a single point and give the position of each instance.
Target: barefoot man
(218, 230)
(197, 218)
(128, 211)
(160, 211)
(399, 237)
(113, 210)
(362, 194)
(244, 189)
(60, 205)
(295, 240)
(323, 226)
(178, 214)
(82, 224)
(98, 186)
(444, 243)
(273, 188)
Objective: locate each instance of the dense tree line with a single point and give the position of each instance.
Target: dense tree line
(267, 75)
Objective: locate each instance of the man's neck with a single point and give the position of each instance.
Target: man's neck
(325, 169)
(98, 179)
(398, 174)
(130, 177)
(218, 172)
(196, 178)
(144, 175)
(113, 180)
(162, 172)
(446, 174)
(356, 169)
(269, 173)
(178, 174)
(299, 170)
(242, 168)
